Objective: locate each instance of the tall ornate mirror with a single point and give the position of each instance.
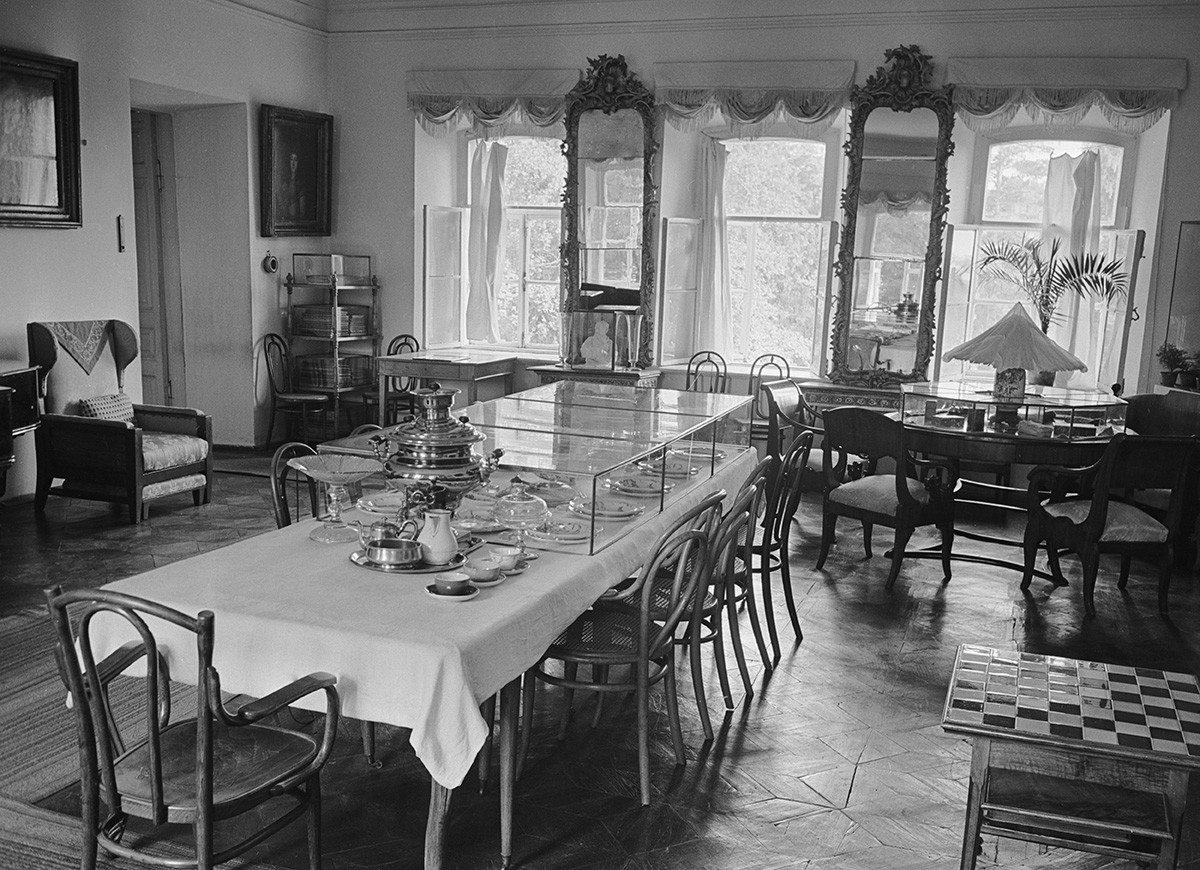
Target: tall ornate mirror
(894, 219)
(610, 203)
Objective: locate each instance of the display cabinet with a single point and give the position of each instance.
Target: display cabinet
(333, 324)
(602, 469)
(1043, 413)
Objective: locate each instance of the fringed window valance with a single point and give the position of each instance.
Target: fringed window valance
(752, 95)
(490, 101)
(1133, 93)
(894, 202)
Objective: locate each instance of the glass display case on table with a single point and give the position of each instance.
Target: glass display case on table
(601, 469)
(1042, 413)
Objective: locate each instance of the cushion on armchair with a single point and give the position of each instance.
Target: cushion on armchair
(876, 492)
(115, 406)
(161, 450)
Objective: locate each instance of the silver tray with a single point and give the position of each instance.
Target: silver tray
(359, 557)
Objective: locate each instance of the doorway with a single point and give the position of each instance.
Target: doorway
(156, 233)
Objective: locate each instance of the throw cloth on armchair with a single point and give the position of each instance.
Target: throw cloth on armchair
(84, 340)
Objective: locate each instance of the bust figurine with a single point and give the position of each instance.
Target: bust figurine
(597, 348)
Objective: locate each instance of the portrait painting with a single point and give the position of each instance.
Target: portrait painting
(39, 141)
(297, 168)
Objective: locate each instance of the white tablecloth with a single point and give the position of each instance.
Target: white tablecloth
(286, 606)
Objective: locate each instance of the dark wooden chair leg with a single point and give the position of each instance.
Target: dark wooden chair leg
(313, 793)
(1166, 561)
(828, 528)
(903, 533)
(1089, 555)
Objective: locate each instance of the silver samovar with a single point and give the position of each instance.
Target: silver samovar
(433, 448)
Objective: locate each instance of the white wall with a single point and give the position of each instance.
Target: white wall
(175, 56)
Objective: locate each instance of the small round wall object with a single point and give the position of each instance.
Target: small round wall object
(270, 263)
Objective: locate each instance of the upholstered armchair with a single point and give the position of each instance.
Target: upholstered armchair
(94, 439)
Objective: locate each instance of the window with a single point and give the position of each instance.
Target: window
(778, 248)
(1015, 179)
(527, 294)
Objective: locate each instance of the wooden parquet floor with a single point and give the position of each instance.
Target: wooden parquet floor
(837, 761)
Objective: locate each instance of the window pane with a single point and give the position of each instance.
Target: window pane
(624, 186)
(508, 291)
(775, 177)
(541, 251)
(535, 172)
(1015, 185)
(542, 302)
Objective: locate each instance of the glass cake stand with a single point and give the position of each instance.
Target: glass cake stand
(336, 471)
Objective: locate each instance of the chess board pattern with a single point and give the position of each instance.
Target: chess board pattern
(1092, 702)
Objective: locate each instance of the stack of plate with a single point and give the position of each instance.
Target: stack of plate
(555, 532)
(677, 469)
(387, 504)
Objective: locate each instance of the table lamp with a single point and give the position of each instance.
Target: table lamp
(1013, 345)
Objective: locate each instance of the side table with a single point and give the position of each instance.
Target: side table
(623, 377)
(1082, 755)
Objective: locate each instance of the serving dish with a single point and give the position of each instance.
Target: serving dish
(640, 487)
(605, 509)
(359, 557)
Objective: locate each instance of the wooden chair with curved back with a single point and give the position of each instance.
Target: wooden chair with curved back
(781, 502)
(194, 771)
(399, 389)
(1093, 510)
(707, 373)
(637, 641)
(899, 501)
(285, 399)
(789, 414)
(767, 366)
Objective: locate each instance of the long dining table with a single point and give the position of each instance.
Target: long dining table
(285, 606)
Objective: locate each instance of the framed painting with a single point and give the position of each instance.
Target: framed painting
(296, 164)
(39, 141)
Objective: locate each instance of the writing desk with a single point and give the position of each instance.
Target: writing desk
(286, 606)
(1084, 755)
(468, 366)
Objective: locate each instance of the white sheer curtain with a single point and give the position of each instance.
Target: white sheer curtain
(713, 301)
(1071, 214)
(486, 238)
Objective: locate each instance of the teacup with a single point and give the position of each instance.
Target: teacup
(484, 570)
(507, 557)
(393, 551)
(452, 583)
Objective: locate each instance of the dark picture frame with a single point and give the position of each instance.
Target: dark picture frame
(39, 125)
(296, 167)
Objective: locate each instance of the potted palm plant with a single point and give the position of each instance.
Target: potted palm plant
(1046, 277)
(1171, 359)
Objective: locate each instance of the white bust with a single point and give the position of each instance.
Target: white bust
(597, 348)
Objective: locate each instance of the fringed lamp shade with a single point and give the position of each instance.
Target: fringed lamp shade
(1013, 345)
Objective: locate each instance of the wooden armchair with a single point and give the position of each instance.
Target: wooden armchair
(900, 501)
(192, 771)
(98, 442)
(1092, 510)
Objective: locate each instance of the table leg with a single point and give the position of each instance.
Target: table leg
(1177, 791)
(980, 757)
(435, 826)
(510, 702)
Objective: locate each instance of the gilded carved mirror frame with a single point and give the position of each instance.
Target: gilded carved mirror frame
(902, 88)
(609, 86)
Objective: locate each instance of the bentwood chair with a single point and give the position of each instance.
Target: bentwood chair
(1092, 510)
(782, 501)
(304, 407)
(768, 366)
(399, 390)
(707, 373)
(637, 642)
(899, 501)
(294, 493)
(193, 771)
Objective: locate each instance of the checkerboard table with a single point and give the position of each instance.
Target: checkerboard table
(1086, 755)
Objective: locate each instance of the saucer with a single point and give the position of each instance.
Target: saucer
(487, 584)
(432, 592)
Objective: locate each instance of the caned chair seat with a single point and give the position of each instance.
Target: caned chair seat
(611, 633)
(245, 760)
(162, 450)
(1123, 523)
(877, 493)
